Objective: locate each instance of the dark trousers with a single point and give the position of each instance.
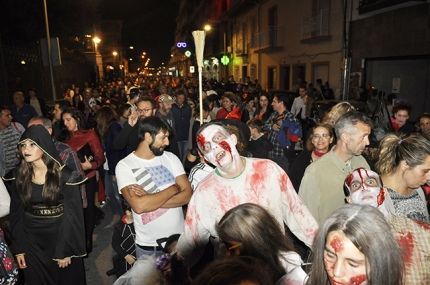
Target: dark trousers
(90, 211)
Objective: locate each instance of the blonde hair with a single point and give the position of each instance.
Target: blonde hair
(393, 149)
(336, 112)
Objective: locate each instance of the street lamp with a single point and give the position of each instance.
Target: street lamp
(96, 40)
(207, 28)
(115, 54)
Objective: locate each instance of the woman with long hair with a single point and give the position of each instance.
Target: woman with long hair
(404, 166)
(78, 135)
(355, 246)
(108, 128)
(46, 216)
(264, 108)
(319, 143)
(249, 230)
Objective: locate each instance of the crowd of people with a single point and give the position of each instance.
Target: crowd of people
(219, 197)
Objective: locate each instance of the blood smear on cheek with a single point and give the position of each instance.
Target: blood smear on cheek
(381, 197)
(359, 279)
(225, 146)
(336, 244)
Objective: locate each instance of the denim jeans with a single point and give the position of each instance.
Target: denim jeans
(114, 198)
(140, 252)
(183, 149)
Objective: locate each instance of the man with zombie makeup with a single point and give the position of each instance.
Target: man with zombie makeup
(238, 180)
(154, 183)
(364, 187)
(321, 186)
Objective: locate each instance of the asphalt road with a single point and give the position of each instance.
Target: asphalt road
(100, 259)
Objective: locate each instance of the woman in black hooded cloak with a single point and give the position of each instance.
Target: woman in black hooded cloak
(46, 214)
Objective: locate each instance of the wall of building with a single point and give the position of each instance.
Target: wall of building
(317, 57)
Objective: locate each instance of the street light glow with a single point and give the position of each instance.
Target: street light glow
(131, 47)
(96, 40)
(115, 53)
(207, 28)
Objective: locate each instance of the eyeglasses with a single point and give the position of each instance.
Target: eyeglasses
(323, 136)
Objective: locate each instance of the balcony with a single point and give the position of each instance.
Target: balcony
(367, 6)
(316, 27)
(271, 39)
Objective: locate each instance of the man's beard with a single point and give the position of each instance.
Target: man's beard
(156, 151)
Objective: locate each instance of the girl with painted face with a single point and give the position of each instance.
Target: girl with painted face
(46, 214)
(355, 246)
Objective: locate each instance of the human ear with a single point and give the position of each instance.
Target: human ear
(148, 137)
(234, 138)
(403, 165)
(348, 199)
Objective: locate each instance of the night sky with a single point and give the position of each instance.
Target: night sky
(148, 25)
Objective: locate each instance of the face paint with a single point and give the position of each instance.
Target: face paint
(344, 263)
(217, 145)
(357, 280)
(365, 187)
(201, 141)
(336, 244)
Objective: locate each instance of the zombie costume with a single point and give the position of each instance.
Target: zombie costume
(262, 182)
(45, 233)
(414, 237)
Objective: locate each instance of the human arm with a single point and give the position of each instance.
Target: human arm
(296, 214)
(184, 196)
(195, 235)
(147, 202)
(97, 150)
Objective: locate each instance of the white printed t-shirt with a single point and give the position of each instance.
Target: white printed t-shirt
(154, 175)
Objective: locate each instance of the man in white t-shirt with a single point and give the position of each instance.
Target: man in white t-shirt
(155, 185)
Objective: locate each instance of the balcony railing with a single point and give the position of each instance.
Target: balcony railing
(316, 25)
(273, 37)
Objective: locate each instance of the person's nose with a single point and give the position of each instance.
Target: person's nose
(366, 141)
(166, 141)
(338, 269)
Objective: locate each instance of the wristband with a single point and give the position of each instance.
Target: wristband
(178, 190)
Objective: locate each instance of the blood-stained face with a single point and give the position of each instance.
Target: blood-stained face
(343, 262)
(365, 188)
(217, 145)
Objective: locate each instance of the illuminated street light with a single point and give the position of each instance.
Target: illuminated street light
(115, 53)
(131, 59)
(131, 47)
(207, 28)
(96, 40)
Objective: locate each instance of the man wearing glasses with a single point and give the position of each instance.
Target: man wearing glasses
(128, 136)
(10, 132)
(322, 185)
